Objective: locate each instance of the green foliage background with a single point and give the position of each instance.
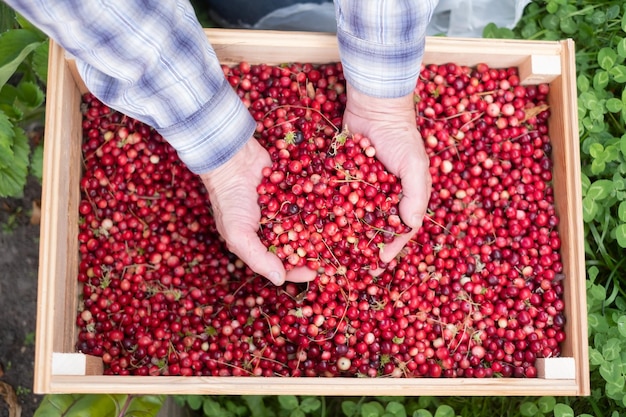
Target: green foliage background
(599, 31)
(23, 75)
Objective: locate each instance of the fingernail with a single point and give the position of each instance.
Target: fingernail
(275, 278)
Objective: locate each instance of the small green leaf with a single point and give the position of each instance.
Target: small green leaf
(40, 61)
(494, 32)
(595, 357)
(610, 372)
(7, 137)
(528, 409)
(597, 292)
(619, 183)
(590, 209)
(585, 183)
(30, 94)
(621, 326)
(563, 410)
(310, 404)
(25, 24)
(598, 321)
(210, 407)
(288, 402)
(15, 46)
(489, 31)
(529, 29)
(619, 73)
(624, 22)
(589, 100)
(422, 413)
(552, 7)
(142, 405)
(615, 105)
(585, 30)
(546, 404)
(568, 26)
(396, 409)
(620, 234)
(621, 48)
(194, 401)
(550, 22)
(583, 83)
(600, 189)
(611, 153)
(611, 349)
(445, 410)
(613, 12)
(295, 413)
(600, 80)
(372, 409)
(256, 405)
(615, 390)
(13, 177)
(348, 407)
(607, 58)
(597, 167)
(36, 162)
(596, 150)
(592, 273)
(596, 18)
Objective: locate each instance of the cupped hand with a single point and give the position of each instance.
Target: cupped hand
(233, 195)
(390, 124)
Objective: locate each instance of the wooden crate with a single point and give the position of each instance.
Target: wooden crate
(59, 370)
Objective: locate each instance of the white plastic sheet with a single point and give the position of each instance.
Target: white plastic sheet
(454, 18)
(468, 18)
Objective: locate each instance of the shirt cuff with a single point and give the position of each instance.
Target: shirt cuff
(377, 70)
(213, 134)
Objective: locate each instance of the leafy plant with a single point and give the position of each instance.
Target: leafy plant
(23, 74)
(425, 406)
(95, 405)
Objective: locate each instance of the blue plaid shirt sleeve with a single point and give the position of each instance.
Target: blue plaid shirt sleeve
(152, 61)
(381, 43)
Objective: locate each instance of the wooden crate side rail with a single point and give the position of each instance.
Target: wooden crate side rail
(314, 386)
(567, 180)
(56, 303)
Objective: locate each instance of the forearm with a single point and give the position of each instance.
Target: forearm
(381, 43)
(153, 62)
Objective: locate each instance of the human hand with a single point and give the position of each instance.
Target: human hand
(391, 126)
(233, 195)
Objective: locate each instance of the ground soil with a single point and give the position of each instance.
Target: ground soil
(19, 252)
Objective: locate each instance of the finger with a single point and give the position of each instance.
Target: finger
(416, 188)
(301, 274)
(376, 272)
(393, 248)
(253, 253)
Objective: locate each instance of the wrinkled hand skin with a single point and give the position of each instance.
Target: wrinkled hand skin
(390, 124)
(233, 195)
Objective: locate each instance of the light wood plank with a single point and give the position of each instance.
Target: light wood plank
(311, 386)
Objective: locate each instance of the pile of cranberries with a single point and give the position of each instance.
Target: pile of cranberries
(477, 292)
(329, 207)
